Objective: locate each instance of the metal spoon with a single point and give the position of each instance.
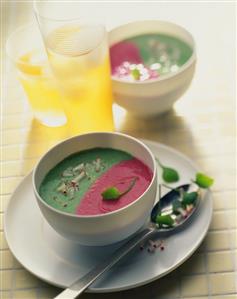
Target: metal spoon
(164, 206)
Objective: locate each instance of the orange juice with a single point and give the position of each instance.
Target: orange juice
(41, 89)
(80, 61)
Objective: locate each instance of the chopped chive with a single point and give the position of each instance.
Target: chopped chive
(79, 177)
(78, 168)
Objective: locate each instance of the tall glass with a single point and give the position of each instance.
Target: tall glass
(27, 52)
(79, 58)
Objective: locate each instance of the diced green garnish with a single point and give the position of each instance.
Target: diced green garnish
(166, 220)
(189, 198)
(203, 181)
(136, 74)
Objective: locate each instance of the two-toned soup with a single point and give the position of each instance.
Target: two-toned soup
(77, 184)
(148, 56)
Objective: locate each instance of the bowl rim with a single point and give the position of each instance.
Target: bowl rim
(38, 197)
(183, 67)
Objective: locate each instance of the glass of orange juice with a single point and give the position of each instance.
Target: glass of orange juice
(79, 57)
(26, 50)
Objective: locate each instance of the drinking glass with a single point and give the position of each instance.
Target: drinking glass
(79, 57)
(26, 50)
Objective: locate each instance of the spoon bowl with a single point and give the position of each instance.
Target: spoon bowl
(164, 207)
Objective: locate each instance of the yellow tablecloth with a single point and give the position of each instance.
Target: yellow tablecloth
(201, 125)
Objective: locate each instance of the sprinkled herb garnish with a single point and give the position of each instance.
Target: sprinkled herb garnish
(169, 174)
(72, 176)
(203, 181)
(112, 193)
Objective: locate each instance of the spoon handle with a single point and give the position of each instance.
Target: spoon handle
(77, 287)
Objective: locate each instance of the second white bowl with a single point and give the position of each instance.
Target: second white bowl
(152, 97)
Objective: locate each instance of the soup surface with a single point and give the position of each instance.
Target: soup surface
(148, 56)
(77, 184)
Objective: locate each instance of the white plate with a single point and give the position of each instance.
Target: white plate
(59, 262)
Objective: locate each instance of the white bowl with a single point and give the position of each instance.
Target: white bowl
(152, 97)
(105, 228)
